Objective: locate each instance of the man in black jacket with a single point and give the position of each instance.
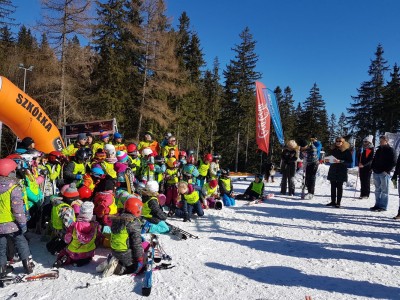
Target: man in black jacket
(382, 163)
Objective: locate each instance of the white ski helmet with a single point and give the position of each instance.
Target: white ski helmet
(152, 186)
(110, 149)
(147, 151)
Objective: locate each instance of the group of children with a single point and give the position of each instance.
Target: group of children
(104, 193)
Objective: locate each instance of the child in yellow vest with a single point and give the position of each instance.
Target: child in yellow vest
(80, 238)
(190, 200)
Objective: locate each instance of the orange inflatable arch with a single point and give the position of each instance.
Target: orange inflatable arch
(25, 118)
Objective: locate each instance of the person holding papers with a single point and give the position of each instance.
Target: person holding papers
(340, 159)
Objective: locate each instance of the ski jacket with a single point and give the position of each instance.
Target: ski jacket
(203, 168)
(192, 198)
(338, 171)
(153, 145)
(119, 146)
(207, 191)
(104, 205)
(62, 215)
(152, 211)
(256, 187)
(288, 161)
(225, 186)
(166, 148)
(384, 160)
(126, 235)
(12, 211)
(366, 156)
(81, 238)
(71, 170)
(214, 168)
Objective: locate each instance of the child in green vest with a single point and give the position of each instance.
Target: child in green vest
(128, 255)
(190, 202)
(254, 191)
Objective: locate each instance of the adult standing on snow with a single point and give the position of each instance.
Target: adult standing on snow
(312, 162)
(288, 167)
(337, 173)
(364, 166)
(382, 163)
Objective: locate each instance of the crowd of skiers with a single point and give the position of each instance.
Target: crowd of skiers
(109, 193)
(104, 193)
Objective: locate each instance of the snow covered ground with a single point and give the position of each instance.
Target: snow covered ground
(284, 249)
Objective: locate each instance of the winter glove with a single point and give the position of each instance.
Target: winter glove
(23, 228)
(78, 176)
(106, 229)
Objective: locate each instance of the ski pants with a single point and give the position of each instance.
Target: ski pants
(365, 181)
(228, 201)
(336, 191)
(189, 209)
(161, 227)
(20, 242)
(311, 172)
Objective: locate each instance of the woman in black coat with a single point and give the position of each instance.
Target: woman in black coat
(288, 167)
(338, 170)
(364, 166)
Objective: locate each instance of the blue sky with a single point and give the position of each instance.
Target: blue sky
(299, 42)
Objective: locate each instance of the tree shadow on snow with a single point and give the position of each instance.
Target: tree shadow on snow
(286, 276)
(314, 250)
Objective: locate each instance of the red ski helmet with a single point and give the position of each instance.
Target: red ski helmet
(208, 157)
(7, 166)
(131, 148)
(213, 183)
(134, 206)
(84, 192)
(55, 157)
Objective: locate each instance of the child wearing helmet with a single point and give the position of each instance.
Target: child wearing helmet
(210, 193)
(70, 150)
(203, 166)
(152, 211)
(117, 142)
(111, 158)
(75, 169)
(104, 140)
(12, 218)
(81, 238)
(190, 172)
(172, 178)
(128, 255)
(134, 159)
(190, 202)
(53, 166)
(159, 170)
(226, 188)
(147, 165)
(255, 190)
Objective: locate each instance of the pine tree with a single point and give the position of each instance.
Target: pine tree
(390, 110)
(365, 111)
(7, 8)
(342, 125)
(332, 127)
(239, 113)
(314, 119)
(286, 108)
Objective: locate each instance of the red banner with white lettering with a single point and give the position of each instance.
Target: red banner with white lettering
(263, 119)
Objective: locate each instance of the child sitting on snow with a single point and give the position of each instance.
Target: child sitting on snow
(190, 202)
(152, 212)
(128, 255)
(210, 195)
(226, 188)
(254, 191)
(81, 239)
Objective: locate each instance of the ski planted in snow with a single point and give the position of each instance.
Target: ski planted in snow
(27, 278)
(148, 273)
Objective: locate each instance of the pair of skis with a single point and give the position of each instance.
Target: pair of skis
(53, 274)
(263, 200)
(180, 233)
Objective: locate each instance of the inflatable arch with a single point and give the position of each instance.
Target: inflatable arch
(25, 118)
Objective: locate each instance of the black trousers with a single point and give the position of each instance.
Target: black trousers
(311, 172)
(365, 180)
(336, 191)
